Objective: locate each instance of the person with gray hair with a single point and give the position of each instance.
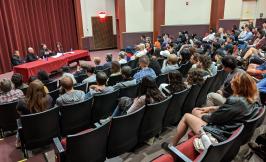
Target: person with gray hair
(145, 70)
(7, 94)
(31, 56)
(127, 79)
(121, 57)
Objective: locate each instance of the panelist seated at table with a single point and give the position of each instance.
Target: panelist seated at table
(44, 51)
(31, 56)
(16, 59)
(59, 48)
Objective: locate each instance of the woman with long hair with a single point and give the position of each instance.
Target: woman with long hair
(36, 100)
(175, 85)
(225, 119)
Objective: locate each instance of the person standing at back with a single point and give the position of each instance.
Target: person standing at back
(70, 96)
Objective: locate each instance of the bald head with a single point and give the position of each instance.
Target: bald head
(67, 83)
(30, 50)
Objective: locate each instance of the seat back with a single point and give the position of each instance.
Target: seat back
(107, 71)
(8, 116)
(39, 129)
(131, 91)
(114, 79)
(263, 98)
(80, 78)
(54, 94)
(190, 101)
(52, 85)
(173, 112)
(75, 117)
(24, 90)
(88, 146)
(202, 97)
(123, 135)
(82, 87)
(220, 150)
(104, 105)
(152, 121)
(218, 80)
(162, 78)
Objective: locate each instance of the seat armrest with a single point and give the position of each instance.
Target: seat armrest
(178, 156)
(19, 124)
(58, 146)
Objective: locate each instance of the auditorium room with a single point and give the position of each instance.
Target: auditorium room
(132, 80)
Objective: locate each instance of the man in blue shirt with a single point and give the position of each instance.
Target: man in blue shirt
(145, 70)
(262, 85)
(248, 36)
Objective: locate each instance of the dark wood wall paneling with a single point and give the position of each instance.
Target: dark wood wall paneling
(195, 29)
(131, 39)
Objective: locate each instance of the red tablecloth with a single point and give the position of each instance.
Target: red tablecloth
(52, 64)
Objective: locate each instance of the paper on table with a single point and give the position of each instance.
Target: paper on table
(57, 55)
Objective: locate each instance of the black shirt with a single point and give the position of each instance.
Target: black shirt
(31, 57)
(15, 60)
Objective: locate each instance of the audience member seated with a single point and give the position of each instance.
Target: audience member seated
(82, 69)
(175, 85)
(91, 76)
(145, 70)
(210, 37)
(195, 76)
(205, 64)
(140, 51)
(194, 59)
(148, 93)
(168, 51)
(66, 72)
(122, 57)
(155, 65)
(108, 59)
(170, 64)
(229, 64)
(218, 56)
(228, 117)
(100, 88)
(115, 68)
(44, 51)
(43, 76)
(184, 57)
(36, 100)
(70, 95)
(7, 94)
(15, 59)
(257, 44)
(243, 39)
(157, 43)
(17, 80)
(97, 62)
(149, 49)
(262, 85)
(127, 79)
(59, 47)
(31, 56)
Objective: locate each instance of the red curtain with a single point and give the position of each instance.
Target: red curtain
(28, 23)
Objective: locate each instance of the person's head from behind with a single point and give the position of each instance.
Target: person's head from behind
(149, 88)
(17, 80)
(31, 50)
(144, 62)
(194, 58)
(115, 67)
(43, 75)
(175, 78)
(185, 55)
(204, 62)
(172, 59)
(5, 85)
(122, 55)
(66, 69)
(244, 85)
(195, 76)
(67, 83)
(101, 78)
(219, 55)
(31, 79)
(36, 97)
(89, 70)
(126, 72)
(108, 57)
(229, 63)
(97, 61)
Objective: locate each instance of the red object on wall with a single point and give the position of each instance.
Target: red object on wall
(102, 14)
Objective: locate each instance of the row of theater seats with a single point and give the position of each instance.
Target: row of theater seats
(223, 151)
(39, 129)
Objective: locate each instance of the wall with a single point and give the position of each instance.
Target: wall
(91, 8)
(139, 15)
(196, 12)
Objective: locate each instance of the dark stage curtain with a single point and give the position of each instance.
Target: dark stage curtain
(25, 23)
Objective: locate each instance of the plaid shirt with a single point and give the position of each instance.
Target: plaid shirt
(144, 72)
(14, 94)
